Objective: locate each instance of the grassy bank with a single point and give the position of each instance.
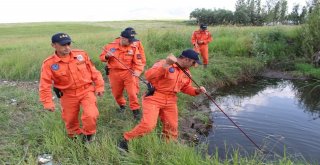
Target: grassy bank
(30, 132)
(235, 55)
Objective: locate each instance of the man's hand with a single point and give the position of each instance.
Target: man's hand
(201, 90)
(200, 42)
(135, 73)
(49, 106)
(109, 54)
(100, 93)
(51, 109)
(171, 59)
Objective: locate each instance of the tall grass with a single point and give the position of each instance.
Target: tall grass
(24, 46)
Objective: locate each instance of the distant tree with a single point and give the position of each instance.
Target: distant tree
(241, 14)
(276, 13)
(303, 15)
(269, 11)
(260, 14)
(310, 35)
(200, 15)
(212, 17)
(283, 11)
(294, 15)
(250, 12)
(311, 4)
(223, 16)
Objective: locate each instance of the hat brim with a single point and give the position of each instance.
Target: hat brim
(64, 42)
(198, 62)
(132, 40)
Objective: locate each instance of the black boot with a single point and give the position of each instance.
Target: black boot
(205, 66)
(88, 138)
(136, 114)
(122, 109)
(123, 145)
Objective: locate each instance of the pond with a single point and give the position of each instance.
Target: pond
(278, 115)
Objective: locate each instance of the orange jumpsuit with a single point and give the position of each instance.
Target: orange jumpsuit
(119, 76)
(78, 79)
(167, 82)
(205, 36)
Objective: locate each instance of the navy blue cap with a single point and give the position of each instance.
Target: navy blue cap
(203, 26)
(129, 35)
(131, 29)
(190, 53)
(61, 38)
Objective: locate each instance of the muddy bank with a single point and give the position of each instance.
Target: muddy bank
(268, 73)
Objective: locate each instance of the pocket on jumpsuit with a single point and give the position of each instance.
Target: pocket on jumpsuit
(61, 77)
(128, 60)
(84, 73)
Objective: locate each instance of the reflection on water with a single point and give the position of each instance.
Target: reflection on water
(275, 114)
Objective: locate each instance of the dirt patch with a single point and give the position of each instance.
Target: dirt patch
(28, 85)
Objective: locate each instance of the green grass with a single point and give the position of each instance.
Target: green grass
(309, 70)
(30, 131)
(23, 47)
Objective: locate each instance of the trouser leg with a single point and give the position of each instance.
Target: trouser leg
(204, 54)
(70, 112)
(131, 88)
(169, 118)
(90, 113)
(147, 123)
(117, 87)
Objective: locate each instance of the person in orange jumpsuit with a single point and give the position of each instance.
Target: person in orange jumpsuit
(124, 63)
(200, 40)
(167, 79)
(75, 81)
(140, 47)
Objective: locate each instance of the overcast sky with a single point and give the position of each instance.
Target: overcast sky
(16, 11)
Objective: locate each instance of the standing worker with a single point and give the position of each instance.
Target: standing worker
(124, 64)
(200, 40)
(168, 79)
(75, 81)
(137, 43)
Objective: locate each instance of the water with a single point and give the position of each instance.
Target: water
(277, 115)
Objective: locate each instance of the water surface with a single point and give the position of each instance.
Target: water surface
(277, 115)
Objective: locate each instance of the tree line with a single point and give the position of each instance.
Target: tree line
(252, 12)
